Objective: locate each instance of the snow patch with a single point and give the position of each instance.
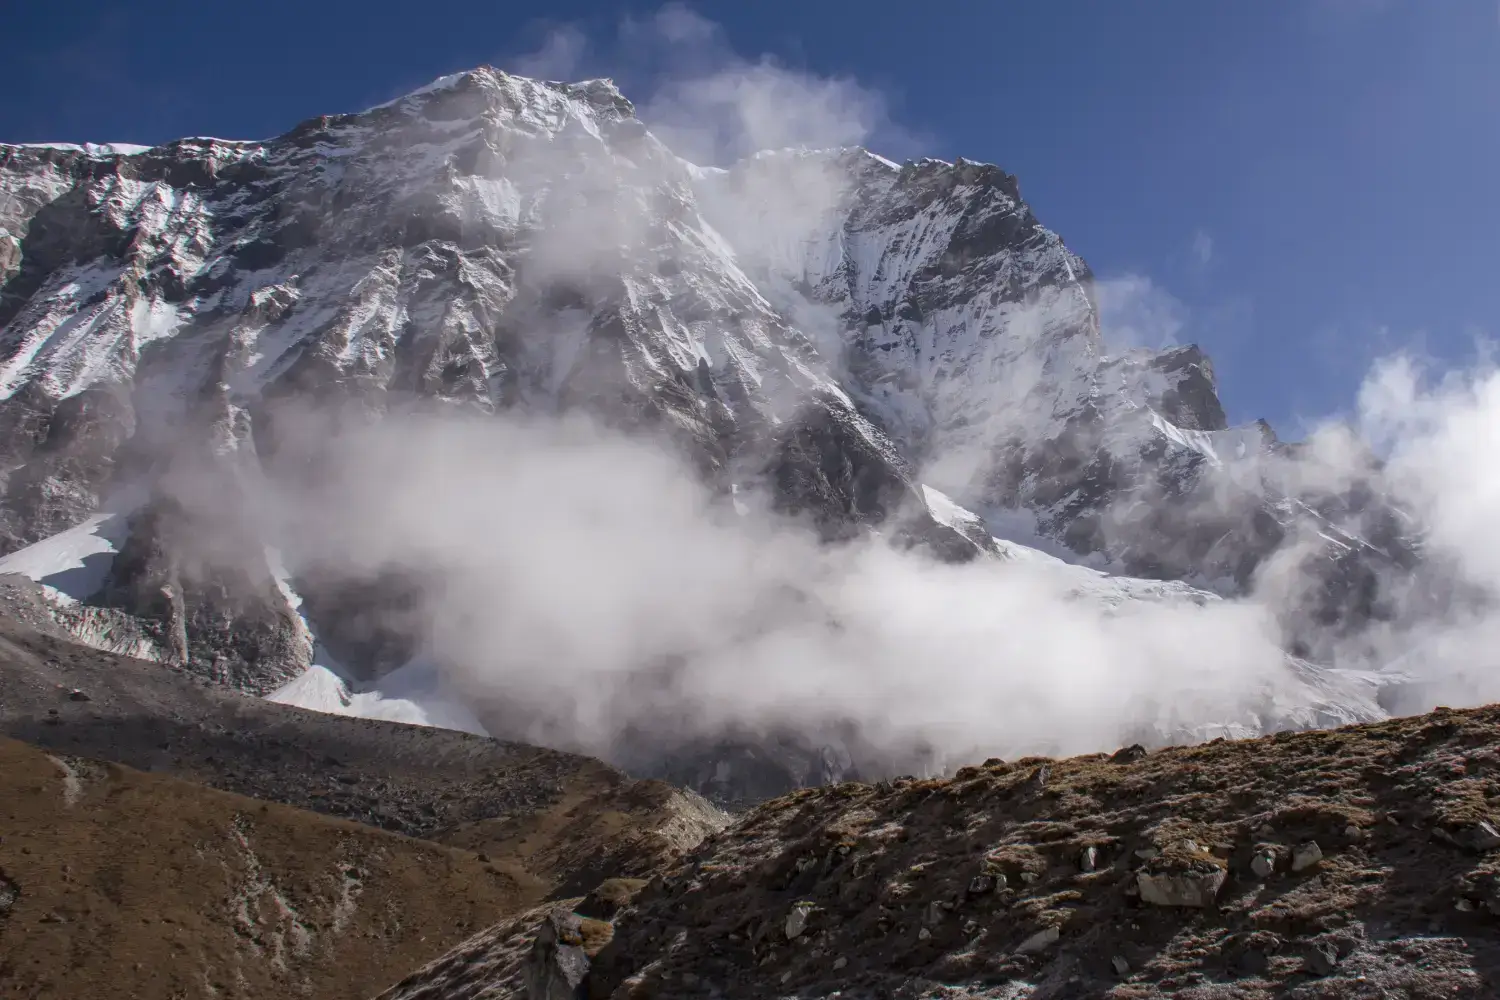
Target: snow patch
(948, 513)
(415, 693)
(72, 564)
(90, 148)
(441, 83)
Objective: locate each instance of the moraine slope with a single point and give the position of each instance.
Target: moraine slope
(1361, 862)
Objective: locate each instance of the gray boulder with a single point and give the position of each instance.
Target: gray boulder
(558, 968)
(1192, 887)
(1306, 855)
(1040, 941)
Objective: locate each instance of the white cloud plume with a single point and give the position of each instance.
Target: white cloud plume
(708, 102)
(1202, 249)
(559, 57)
(1135, 312)
(588, 584)
(1440, 435)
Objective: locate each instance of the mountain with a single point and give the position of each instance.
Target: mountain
(854, 340)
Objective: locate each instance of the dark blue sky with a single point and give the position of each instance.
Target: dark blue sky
(1300, 185)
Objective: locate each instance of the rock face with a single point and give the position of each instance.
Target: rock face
(222, 616)
(830, 327)
(969, 333)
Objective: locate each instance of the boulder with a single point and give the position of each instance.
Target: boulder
(1306, 855)
(1481, 837)
(1322, 959)
(981, 885)
(796, 921)
(1191, 887)
(1040, 941)
(557, 968)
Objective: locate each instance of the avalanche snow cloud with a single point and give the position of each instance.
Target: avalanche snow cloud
(1440, 431)
(504, 406)
(587, 584)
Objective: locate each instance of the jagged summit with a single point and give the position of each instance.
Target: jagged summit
(491, 80)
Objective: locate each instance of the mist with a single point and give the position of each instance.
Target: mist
(1438, 434)
(586, 583)
(583, 584)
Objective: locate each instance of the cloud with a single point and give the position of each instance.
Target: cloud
(584, 586)
(749, 107)
(587, 584)
(710, 103)
(676, 24)
(1136, 312)
(559, 57)
(1202, 249)
(592, 587)
(1439, 435)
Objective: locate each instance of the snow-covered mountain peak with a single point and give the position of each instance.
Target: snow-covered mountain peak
(491, 94)
(823, 327)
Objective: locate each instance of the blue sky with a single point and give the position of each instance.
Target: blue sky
(1302, 186)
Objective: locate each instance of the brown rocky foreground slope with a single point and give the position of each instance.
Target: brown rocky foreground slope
(1355, 863)
(138, 855)
(115, 883)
